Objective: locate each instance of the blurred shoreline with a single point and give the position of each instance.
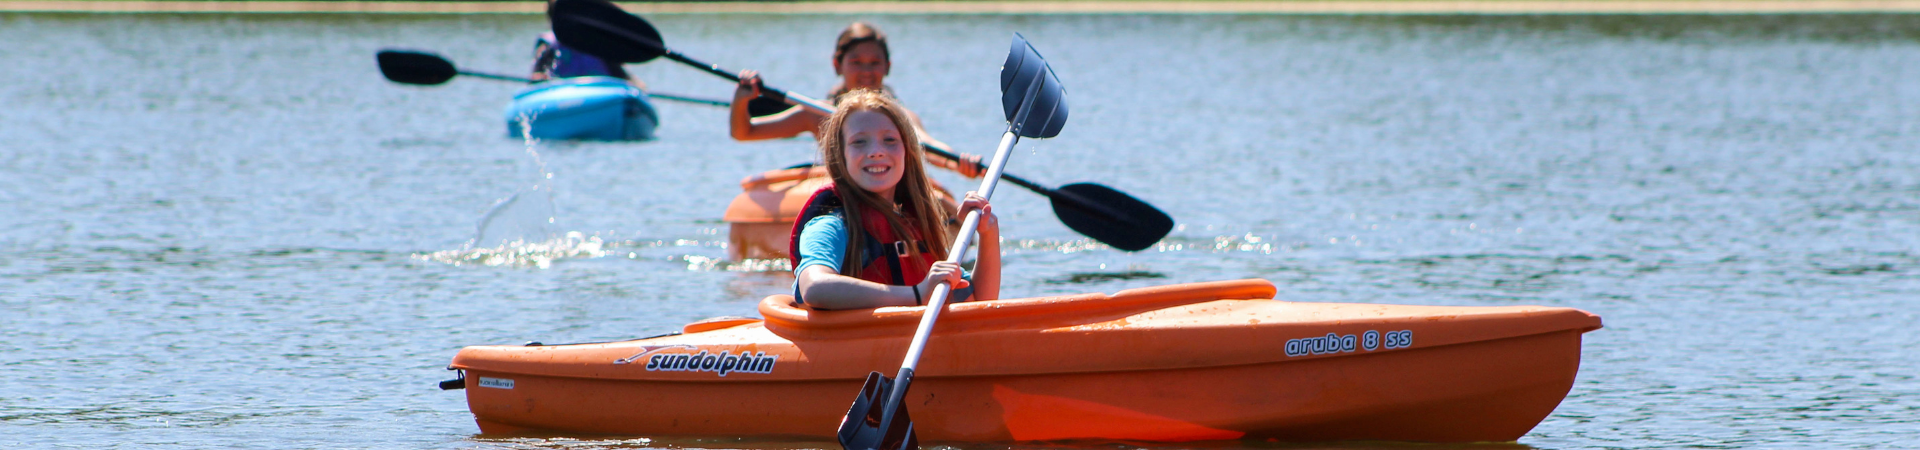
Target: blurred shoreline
(1308, 7)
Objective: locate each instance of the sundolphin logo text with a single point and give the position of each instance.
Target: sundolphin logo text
(721, 363)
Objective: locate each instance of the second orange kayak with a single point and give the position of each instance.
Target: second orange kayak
(760, 219)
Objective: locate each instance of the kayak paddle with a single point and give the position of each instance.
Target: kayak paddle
(1107, 215)
(1097, 211)
(427, 69)
(1036, 107)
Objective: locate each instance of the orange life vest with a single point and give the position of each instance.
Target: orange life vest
(886, 259)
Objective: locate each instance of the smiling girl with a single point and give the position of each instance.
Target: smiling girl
(876, 236)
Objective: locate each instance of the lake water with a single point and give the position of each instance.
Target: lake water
(228, 231)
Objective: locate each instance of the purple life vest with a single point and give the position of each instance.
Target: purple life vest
(561, 61)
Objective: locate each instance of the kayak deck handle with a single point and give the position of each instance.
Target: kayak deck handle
(459, 381)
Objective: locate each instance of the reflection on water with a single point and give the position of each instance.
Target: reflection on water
(230, 231)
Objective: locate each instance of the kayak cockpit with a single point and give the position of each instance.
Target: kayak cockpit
(794, 322)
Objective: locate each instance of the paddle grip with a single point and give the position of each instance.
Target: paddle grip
(775, 94)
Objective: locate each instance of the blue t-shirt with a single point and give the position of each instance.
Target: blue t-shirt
(823, 241)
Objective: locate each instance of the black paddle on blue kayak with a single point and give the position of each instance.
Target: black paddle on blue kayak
(1107, 215)
(1036, 107)
(428, 69)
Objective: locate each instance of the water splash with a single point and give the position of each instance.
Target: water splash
(577, 245)
(1243, 243)
(699, 263)
(524, 216)
(520, 230)
(521, 253)
(1054, 245)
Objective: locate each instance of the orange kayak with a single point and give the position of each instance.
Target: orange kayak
(760, 219)
(1202, 361)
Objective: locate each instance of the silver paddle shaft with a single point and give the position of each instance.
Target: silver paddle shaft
(941, 291)
(804, 101)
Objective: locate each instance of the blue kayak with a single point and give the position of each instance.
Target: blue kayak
(595, 108)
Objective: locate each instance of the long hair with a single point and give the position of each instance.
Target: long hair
(917, 210)
(856, 33)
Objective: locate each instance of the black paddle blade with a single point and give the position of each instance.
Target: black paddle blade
(602, 29)
(414, 67)
(868, 426)
(1035, 103)
(1110, 216)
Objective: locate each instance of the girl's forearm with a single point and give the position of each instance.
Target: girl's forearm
(740, 122)
(986, 269)
(839, 292)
